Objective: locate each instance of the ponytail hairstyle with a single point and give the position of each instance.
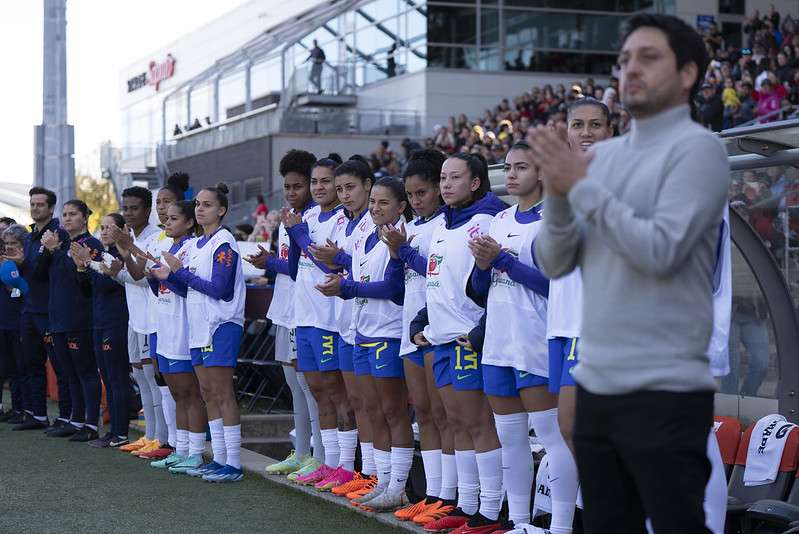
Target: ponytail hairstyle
(119, 221)
(82, 207)
(186, 208)
(220, 190)
(426, 164)
(332, 161)
(178, 184)
(397, 188)
(359, 167)
(590, 101)
(478, 168)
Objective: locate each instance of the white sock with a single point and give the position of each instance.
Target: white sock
(302, 421)
(181, 442)
(347, 443)
(196, 443)
(489, 467)
(146, 402)
(313, 415)
(383, 464)
(716, 489)
(401, 461)
(562, 470)
(77, 425)
(468, 481)
(161, 430)
(168, 407)
(218, 441)
(233, 445)
(332, 451)
(368, 466)
(449, 477)
(517, 463)
(431, 460)
(93, 427)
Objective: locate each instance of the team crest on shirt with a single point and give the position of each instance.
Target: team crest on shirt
(500, 277)
(434, 265)
(284, 252)
(365, 278)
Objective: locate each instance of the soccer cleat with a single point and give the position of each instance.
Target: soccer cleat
(150, 447)
(365, 495)
(455, 519)
(136, 445)
(169, 461)
(102, 442)
(118, 441)
(65, 431)
(358, 481)
(357, 494)
(436, 511)
(527, 528)
(31, 423)
(387, 501)
(293, 462)
(57, 425)
(338, 477)
(226, 474)
(158, 454)
(317, 476)
(193, 461)
(16, 419)
(310, 466)
(479, 524)
(9, 415)
(85, 434)
(409, 512)
(204, 470)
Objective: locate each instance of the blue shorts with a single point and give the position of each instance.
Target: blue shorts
(153, 344)
(317, 349)
(223, 350)
(417, 356)
(507, 381)
(465, 369)
(562, 359)
(345, 356)
(169, 366)
(384, 358)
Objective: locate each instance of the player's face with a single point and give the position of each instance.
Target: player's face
(588, 125)
(40, 210)
(352, 192)
(423, 196)
(207, 209)
(297, 190)
(106, 226)
(457, 183)
(72, 220)
(650, 82)
(384, 206)
(177, 225)
(134, 212)
(323, 189)
(164, 199)
(521, 176)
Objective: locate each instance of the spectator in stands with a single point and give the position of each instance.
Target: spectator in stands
(751, 26)
(177, 130)
(713, 38)
(711, 107)
(317, 58)
(261, 210)
(243, 232)
(195, 125)
(768, 101)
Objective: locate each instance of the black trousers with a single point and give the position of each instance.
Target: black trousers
(643, 455)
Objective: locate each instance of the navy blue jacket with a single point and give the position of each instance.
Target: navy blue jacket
(108, 297)
(10, 308)
(36, 274)
(70, 300)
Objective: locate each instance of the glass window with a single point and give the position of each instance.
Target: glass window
(620, 6)
(732, 31)
(562, 30)
(232, 93)
(176, 112)
(452, 57)
(265, 78)
(202, 102)
(457, 25)
(731, 6)
(489, 27)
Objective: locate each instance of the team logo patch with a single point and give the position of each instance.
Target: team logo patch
(434, 265)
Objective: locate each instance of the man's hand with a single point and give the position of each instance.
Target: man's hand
(50, 240)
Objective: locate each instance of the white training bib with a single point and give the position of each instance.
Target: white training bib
(374, 318)
(345, 308)
(139, 296)
(173, 321)
(281, 309)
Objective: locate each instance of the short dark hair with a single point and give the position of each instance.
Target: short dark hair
(683, 40)
(39, 190)
(7, 220)
(296, 160)
(142, 193)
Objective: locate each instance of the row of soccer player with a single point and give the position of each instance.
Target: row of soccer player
(166, 303)
(372, 304)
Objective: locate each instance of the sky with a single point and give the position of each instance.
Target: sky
(103, 36)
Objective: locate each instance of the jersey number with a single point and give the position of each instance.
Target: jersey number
(469, 358)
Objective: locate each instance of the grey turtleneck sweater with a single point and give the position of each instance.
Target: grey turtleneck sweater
(643, 226)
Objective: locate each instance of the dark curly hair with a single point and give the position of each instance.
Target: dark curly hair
(296, 160)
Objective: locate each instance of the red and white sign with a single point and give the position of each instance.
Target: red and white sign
(158, 72)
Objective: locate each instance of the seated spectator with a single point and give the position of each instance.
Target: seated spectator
(242, 232)
(711, 108)
(768, 101)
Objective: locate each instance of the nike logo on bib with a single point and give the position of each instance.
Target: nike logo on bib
(440, 241)
(513, 235)
(363, 262)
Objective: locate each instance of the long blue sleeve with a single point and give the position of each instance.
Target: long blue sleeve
(392, 287)
(415, 261)
(172, 283)
(299, 236)
(480, 280)
(527, 275)
(223, 276)
(277, 266)
(343, 259)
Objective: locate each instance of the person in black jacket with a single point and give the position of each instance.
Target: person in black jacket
(712, 108)
(72, 321)
(12, 292)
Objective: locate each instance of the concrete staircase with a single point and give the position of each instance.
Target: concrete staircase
(267, 435)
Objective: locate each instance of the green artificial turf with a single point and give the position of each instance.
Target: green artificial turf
(53, 485)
